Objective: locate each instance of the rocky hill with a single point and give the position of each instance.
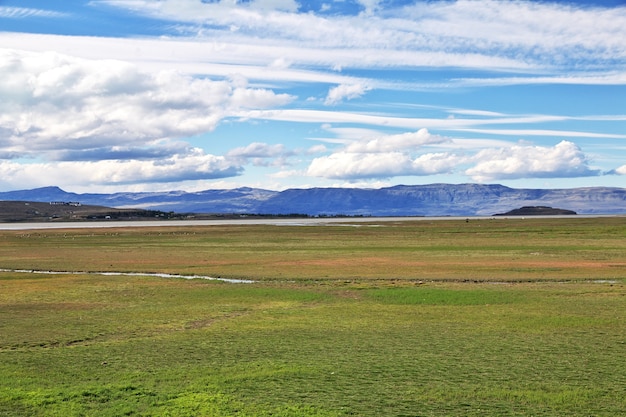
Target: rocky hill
(401, 200)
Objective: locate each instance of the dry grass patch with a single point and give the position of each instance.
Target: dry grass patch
(531, 249)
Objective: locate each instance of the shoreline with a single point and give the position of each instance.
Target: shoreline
(316, 221)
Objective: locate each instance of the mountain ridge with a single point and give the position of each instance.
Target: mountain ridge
(399, 200)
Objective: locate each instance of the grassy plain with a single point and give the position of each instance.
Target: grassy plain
(448, 318)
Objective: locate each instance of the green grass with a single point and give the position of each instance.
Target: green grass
(135, 346)
(349, 344)
(441, 296)
(532, 249)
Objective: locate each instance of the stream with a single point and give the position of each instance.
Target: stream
(129, 274)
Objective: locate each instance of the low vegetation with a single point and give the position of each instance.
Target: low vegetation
(479, 318)
(476, 250)
(537, 211)
(28, 211)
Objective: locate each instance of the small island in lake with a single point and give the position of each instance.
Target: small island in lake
(537, 211)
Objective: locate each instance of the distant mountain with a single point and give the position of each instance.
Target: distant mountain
(401, 200)
(442, 200)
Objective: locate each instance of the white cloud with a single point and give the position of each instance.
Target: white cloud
(24, 12)
(334, 117)
(565, 159)
(385, 157)
(494, 34)
(345, 92)
(150, 94)
(621, 170)
(286, 174)
(349, 165)
(274, 42)
(247, 58)
(255, 98)
(550, 33)
(55, 102)
(543, 132)
(192, 166)
(345, 165)
(374, 159)
(590, 78)
(258, 150)
(409, 140)
(261, 154)
(106, 122)
(317, 149)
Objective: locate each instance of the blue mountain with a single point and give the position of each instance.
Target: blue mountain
(401, 200)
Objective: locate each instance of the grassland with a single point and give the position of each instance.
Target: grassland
(31, 211)
(486, 318)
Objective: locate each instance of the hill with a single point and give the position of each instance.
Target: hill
(537, 211)
(29, 211)
(400, 200)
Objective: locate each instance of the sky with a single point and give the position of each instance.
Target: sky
(155, 95)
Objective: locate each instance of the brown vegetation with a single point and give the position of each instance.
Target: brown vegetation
(26, 211)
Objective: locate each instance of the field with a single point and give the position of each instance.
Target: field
(503, 317)
(31, 211)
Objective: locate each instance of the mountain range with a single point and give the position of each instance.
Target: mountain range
(400, 200)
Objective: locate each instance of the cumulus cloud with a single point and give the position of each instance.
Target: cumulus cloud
(565, 159)
(349, 165)
(409, 140)
(52, 101)
(192, 166)
(106, 121)
(385, 157)
(345, 92)
(621, 170)
(77, 112)
(401, 155)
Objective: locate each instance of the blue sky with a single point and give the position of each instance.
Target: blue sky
(149, 95)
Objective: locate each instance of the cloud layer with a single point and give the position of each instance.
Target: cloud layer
(491, 34)
(60, 108)
(53, 100)
(313, 92)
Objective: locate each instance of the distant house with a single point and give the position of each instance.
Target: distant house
(65, 203)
